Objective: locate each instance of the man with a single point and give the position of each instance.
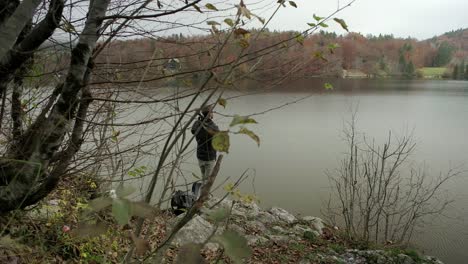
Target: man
(204, 129)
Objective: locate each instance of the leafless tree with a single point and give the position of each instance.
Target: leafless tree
(377, 196)
(79, 115)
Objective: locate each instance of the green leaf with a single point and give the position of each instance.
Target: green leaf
(332, 47)
(317, 18)
(292, 3)
(220, 141)
(312, 24)
(115, 135)
(234, 245)
(100, 203)
(121, 211)
(222, 102)
(67, 27)
(244, 43)
(124, 191)
(319, 55)
(282, 2)
(342, 23)
(189, 253)
(218, 215)
(198, 8)
(251, 134)
(212, 23)
(241, 31)
(323, 25)
(261, 19)
(229, 22)
(211, 7)
(300, 39)
(245, 12)
(328, 86)
(237, 120)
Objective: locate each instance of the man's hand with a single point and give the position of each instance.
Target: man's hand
(211, 130)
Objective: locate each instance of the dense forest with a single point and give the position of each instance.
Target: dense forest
(320, 54)
(146, 61)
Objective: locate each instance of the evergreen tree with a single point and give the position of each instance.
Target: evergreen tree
(455, 72)
(402, 63)
(461, 70)
(444, 55)
(466, 72)
(409, 72)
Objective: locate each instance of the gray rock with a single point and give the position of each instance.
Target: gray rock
(300, 230)
(239, 213)
(256, 226)
(196, 231)
(404, 259)
(279, 238)
(279, 230)
(54, 202)
(354, 256)
(236, 228)
(283, 215)
(45, 211)
(255, 240)
(213, 247)
(214, 200)
(267, 218)
(253, 210)
(432, 260)
(314, 222)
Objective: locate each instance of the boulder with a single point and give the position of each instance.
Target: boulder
(283, 215)
(301, 229)
(256, 226)
(255, 240)
(252, 209)
(236, 228)
(195, 231)
(404, 259)
(214, 200)
(279, 230)
(314, 222)
(213, 247)
(267, 218)
(46, 211)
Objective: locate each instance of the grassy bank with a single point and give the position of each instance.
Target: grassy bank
(433, 72)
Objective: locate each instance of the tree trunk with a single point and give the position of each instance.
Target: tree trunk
(28, 169)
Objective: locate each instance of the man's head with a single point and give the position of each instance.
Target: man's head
(207, 112)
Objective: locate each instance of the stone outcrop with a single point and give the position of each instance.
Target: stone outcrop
(279, 226)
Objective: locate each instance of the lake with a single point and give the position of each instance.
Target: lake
(302, 140)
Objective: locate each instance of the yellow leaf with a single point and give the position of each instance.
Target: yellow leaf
(211, 7)
(222, 102)
(251, 134)
(220, 141)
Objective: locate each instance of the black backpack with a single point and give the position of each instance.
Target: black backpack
(182, 201)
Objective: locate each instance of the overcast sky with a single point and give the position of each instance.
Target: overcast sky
(421, 19)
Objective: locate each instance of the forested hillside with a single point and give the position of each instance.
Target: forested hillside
(145, 61)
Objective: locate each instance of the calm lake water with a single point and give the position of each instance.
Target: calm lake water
(301, 141)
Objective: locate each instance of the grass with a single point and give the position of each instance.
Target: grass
(430, 72)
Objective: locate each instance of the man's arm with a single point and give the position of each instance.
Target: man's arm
(211, 128)
(195, 127)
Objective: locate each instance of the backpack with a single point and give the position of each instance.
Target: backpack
(182, 201)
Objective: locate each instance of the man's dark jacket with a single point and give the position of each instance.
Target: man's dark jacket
(205, 150)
